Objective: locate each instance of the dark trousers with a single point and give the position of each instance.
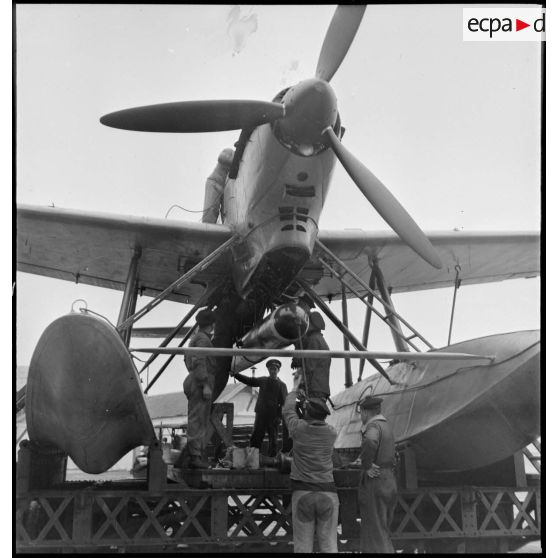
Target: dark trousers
(377, 498)
(199, 429)
(262, 425)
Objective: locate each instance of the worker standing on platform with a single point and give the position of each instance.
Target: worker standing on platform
(271, 399)
(377, 494)
(315, 504)
(198, 387)
(215, 187)
(315, 371)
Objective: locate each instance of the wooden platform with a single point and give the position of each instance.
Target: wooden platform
(231, 478)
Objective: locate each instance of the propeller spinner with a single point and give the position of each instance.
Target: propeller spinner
(305, 116)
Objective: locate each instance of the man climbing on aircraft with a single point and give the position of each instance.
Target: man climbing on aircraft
(315, 504)
(215, 186)
(271, 399)
(198, 387)
(315, 371)
(377, 493)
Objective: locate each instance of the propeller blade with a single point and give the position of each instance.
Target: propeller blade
(195, 116)
(338, 39)
(384, 202)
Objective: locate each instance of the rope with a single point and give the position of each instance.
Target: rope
(137, 358)
(87, 311)
(218, 202)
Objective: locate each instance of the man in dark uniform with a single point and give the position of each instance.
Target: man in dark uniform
(268, 406)
(198, 387)
(315, 371)
(377, 494)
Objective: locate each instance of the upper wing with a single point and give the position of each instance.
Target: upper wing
(482, 257)
(96, 249)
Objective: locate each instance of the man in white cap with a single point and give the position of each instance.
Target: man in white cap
(377, 491)
(215, 186)
(198, 387)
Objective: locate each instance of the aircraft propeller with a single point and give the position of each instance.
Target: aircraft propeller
(385, 203)
(195, 116)
(307, 112)
(338, 39)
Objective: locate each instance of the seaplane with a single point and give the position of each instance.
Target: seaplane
(461, 407)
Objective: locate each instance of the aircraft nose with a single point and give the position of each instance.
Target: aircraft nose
(310, 107)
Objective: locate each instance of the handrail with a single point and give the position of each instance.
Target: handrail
(386, 304)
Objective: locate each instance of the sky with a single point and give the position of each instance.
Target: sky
(451, 127)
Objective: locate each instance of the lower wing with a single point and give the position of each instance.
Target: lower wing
(96, 249)
(479, 257)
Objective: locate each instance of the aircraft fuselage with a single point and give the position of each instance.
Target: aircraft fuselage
(283, 179)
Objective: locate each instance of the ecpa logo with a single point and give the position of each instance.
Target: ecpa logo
(504, 24)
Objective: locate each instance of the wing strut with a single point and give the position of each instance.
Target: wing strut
(348, 371)
(353, 340)
(202, 301)
(130, 296)
(401, 342)
(367, 319)
(206, 262)
(455, 287)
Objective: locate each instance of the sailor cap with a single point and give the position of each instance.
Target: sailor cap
(370, 402)
(315, 404)
(273, 362)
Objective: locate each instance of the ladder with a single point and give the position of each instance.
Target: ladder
(391, 317)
